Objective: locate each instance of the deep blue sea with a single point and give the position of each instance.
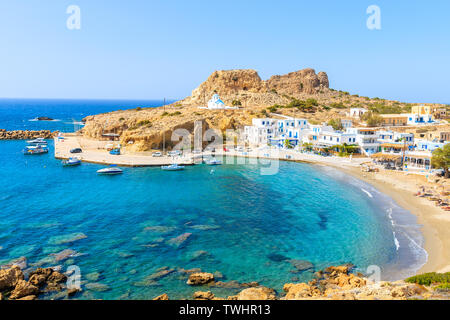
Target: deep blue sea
(243, 225)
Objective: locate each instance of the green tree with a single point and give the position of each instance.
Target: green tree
(336, 124)
(287, 144)
(441, 159)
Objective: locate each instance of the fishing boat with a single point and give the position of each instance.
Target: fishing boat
(71, 162)
(172, 167)
(111, 170)
(213, 162)
(34, 150)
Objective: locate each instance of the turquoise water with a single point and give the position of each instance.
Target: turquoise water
(243, 224)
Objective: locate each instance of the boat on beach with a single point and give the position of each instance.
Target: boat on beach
(172, 167)
(111, 170)
(71, 162)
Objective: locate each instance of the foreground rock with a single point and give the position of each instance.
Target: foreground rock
(200, 278)
(15, 287)
(259, 293)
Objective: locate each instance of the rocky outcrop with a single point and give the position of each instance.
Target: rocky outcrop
(10, 277)
(200, 278)
(164, 296)
(303, 81)
(26, 134)
(259, 293)
(12, 282)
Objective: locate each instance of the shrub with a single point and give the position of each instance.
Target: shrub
(272, 108)
(336, 124)
(430, 278)
(236, 103)
(138, 109)
(338, 105)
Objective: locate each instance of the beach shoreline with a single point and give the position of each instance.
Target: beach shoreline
(434, 222)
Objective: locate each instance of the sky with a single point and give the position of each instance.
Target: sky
(151, 49)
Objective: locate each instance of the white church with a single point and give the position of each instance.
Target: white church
(217, 104)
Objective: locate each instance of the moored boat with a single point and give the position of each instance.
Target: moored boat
(37, 141)
(111, 170)
(172, 167)
(71, 162)
(34, 150)
(213, 162)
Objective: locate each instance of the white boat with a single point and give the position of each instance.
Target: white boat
(71, 162)
(37, 141)
(175, 153)
(213, 162)
(113, 169)
(173, 167)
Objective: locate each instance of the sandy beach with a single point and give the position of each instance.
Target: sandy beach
(435, 221)
(400, 186)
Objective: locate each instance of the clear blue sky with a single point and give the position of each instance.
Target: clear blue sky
(149, 49)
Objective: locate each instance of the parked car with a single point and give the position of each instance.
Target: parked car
(156, 154)
(76, 150)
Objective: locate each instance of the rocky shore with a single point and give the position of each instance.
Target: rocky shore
(26, 134)
(332, 283)
(13, 285)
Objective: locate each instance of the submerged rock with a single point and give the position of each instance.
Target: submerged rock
(57, 240)
(205, 227)
(160, 229)
(301, 265)
(277, 257)
(93, 276)
(65, 254)
(97, 286)
(20, 262)
(200, 278)
(161, 273)
(178, 241)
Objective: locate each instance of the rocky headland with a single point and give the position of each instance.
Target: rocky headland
(26, 134)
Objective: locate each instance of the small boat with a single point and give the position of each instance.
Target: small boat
(71, 162)
(113, 169)
(32, 150)
(37, 141)
(173, 167)
(214, 162)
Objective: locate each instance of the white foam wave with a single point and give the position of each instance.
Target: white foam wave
(367, 192)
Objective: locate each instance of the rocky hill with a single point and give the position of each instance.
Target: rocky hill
(301, 94)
